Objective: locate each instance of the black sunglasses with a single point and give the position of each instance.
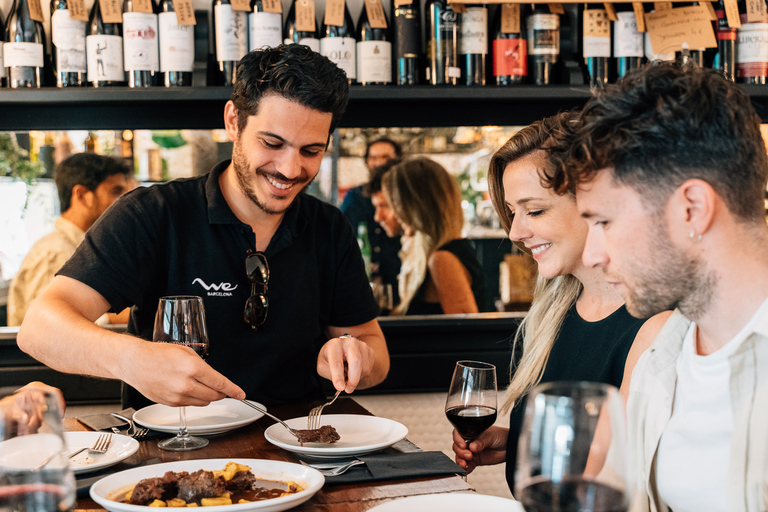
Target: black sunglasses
(257, 305)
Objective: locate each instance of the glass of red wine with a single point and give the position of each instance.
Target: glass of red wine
(471, 402)
(180, 320)
(572, 454)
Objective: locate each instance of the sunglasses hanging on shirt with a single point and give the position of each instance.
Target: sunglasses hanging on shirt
(257, 305)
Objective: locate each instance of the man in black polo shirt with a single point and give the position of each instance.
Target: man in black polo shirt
(200, 236)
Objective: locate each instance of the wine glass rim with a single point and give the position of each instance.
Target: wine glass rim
(478, 365)
(181, 297)
(550, 388)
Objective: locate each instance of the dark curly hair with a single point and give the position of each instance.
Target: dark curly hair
(87, 169)
(662, 125)
(295, 72)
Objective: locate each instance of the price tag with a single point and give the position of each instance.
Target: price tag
(670, 29)
(639, 15)
(185, 12)
(144, 6)
(398, 3)
(334, 12)
(756, 11)
(556, 9)
(305, 15)
(596, 23)
(732, 13)
(710, 10)
(510, 18)
(376, 15)
(459, 8)
(274, 6)
(36, 11)
(111, 11)
(241, 5)
(611, 11)
(77, 10)
(662, 6)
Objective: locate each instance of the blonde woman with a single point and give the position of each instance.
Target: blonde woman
(577, 327)
(440, 272)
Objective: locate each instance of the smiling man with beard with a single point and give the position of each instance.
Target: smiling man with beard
(280, 273)
(669, 169)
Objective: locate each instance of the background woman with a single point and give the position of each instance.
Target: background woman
(440, 272)
(577, 327)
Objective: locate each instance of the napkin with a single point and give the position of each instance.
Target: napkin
(390, 466)
(106, 421)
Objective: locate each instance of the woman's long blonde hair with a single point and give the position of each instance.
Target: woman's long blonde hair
(552, 298)
(426, 197)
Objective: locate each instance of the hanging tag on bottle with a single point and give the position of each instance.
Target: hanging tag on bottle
(755, 11)
(334, 13)
(305, 15)
(144, 6)
(459, 7)
(596, 23)
(556, 9)
(398, 3)
(274, 6)
(670, 29)
(662, 6)
(510, 18)
(376, 15)
(185, 12)
(111, 11)
(611, 11)
(639, 15)
(241, 5)
(732, 13)
(707, 6)
(36, 11)
(77, 10)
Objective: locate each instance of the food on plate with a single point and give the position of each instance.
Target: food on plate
(234, 484)
(325, 434)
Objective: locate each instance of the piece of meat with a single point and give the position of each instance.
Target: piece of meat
(200, 484)
(242, 481)
(157, 488)
(325, 434)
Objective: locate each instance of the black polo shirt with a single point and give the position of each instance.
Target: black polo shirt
(181, 238)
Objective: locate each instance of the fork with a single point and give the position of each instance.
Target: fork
(102, 444)
(133, 431)
(313, 420)
(263, 411)
(328, 470)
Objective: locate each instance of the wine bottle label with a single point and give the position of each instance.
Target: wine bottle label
(651, 55)
(305, 15)
(597, 33)
(105, 58)
(722, 31)
(752, 48)
(68, 35)
(334, 13)
(453, 72)
(341, 51)
(408, 41)
(474, 31)
(543, 34)
(23, 55)
(177, 44)
(510, 18)
(510, 57)
(266, 30)
(627, 40)
(140, 49)
(231, 40)
(376, 16)
(374, 62)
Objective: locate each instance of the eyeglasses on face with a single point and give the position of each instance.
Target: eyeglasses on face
(257, 305)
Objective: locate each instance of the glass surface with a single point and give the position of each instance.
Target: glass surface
(471, 402)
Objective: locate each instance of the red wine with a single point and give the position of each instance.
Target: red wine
(104, 50)
(177, 47)
(510, 47)
(573, 494)
(34, 497)
(471, 420)
(752, 48)
(24, 47)
(407, 43)
(543, 44)
(338, 44)
(374, 51)
(141, 57)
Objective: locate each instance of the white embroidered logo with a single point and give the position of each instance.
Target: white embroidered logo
(219, 290)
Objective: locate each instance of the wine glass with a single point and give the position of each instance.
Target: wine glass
(572, 453)
(181, 320)
(34, 464)
(471, 402)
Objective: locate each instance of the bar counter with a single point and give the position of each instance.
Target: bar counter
(249, 442)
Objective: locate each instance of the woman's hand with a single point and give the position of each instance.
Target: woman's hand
(488, 449)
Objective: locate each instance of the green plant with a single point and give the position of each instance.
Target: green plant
(14, 161)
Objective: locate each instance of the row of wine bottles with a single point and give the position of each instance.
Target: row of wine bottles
(522, 44)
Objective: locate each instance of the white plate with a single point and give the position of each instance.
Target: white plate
(215, 418)
(120, 449)
(310, 479)
(359, 434)
(450, 502)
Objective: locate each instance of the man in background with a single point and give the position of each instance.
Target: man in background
(87, 184)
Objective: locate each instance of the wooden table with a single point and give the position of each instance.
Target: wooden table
(249, 443)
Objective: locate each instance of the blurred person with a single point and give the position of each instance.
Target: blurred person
(22, 409)
(440, 272)
(383, 213)
(669, 169)
(87, 184)
(577, 328)
(281, 275)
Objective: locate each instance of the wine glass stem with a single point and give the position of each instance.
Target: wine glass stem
(183, 422)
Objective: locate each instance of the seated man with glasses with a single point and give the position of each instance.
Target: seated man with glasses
(280, 272)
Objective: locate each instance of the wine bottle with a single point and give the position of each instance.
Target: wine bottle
(596, 43)
(2, 41)
(293, 34)
(725, 60)
(24, 49)
(374, 47)
(543, 44)
(230, 41)
(407, 41)
(67, 46)
(752, 46)
(338, 42)
(266, 28)
(104, 50)
(510, 48)
(177, 47)
(442, 43)
(140, 46)
(657, 55)
(627, 41)
(473, 44)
